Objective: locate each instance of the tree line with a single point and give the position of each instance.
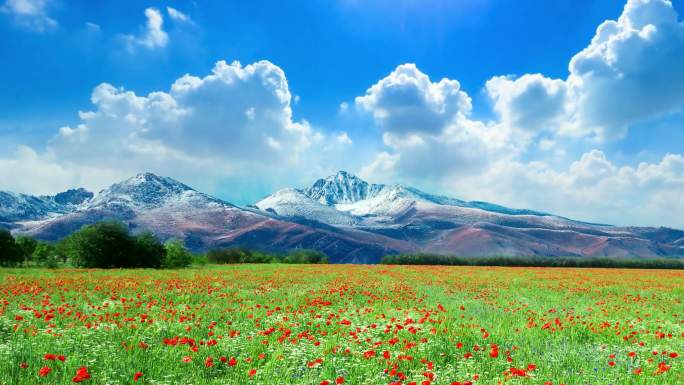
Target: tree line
(112, 245)
(598, 262)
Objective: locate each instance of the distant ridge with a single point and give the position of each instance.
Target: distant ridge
(342, 215)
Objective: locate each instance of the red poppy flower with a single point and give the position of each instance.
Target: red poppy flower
(44, 371)
(662, 368)
(494, 352)
(137, 376)
(81, 374)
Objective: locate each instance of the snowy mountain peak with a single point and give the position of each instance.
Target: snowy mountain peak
(144, 189)
(341, 187)
(341, 215)
(149, 181)
(20, 207)
(23, 207)
(73, 196)
(293, 203)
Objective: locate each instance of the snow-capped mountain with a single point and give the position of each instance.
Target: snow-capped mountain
(341, 215)
(341, 188)
(442, 224)
(73, 197)
(15, 206)
(293, 203)
(149, 191)
(172, 209)
(21, 207)
(344, 199)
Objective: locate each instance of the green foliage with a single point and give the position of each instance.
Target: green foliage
(46, 254)
(199, 259)
(110, 244)
(242, 255)
(238, 255)
(10, 252)
(27, 245)
(603, 262)
(177, 256)
(106, 244)
(305, 256)
(148, 251)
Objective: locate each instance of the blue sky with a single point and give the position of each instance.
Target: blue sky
(545, 137)
(345, 45)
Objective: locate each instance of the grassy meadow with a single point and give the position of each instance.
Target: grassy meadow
(342, 324)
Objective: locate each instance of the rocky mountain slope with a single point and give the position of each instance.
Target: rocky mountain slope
(341, 215)
(447, 225)
(173, 210)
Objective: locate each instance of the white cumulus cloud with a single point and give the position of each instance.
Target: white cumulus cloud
(631, 71)
(407, 102)
(427, 129)
(592, 188)
(531, 102)
(235, 121)
(30, 14)
(177, 15)
(152, 34)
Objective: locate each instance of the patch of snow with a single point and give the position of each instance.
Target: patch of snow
(294, 203)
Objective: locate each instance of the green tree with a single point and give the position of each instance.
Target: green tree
(149, 251)
(177, 255)
(238, 255)
(306, 256)
(27, 245)
(46, 254)
(10, 253)
(232, 255)
(104, 244)
(110, 244)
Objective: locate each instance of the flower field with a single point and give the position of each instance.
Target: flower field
(340, 324)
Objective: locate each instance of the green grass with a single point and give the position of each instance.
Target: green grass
(337, 313)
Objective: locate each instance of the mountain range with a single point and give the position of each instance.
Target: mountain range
(342, 215)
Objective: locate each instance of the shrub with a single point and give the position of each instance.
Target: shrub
(225, 255)
(177, 255)
(305, 256)
(200, 259)
(46, 254)
(110, 244)
(242, 255)
(10, 252)
(602, 262)
(27, 246)
(148, 251)
(238, 255)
